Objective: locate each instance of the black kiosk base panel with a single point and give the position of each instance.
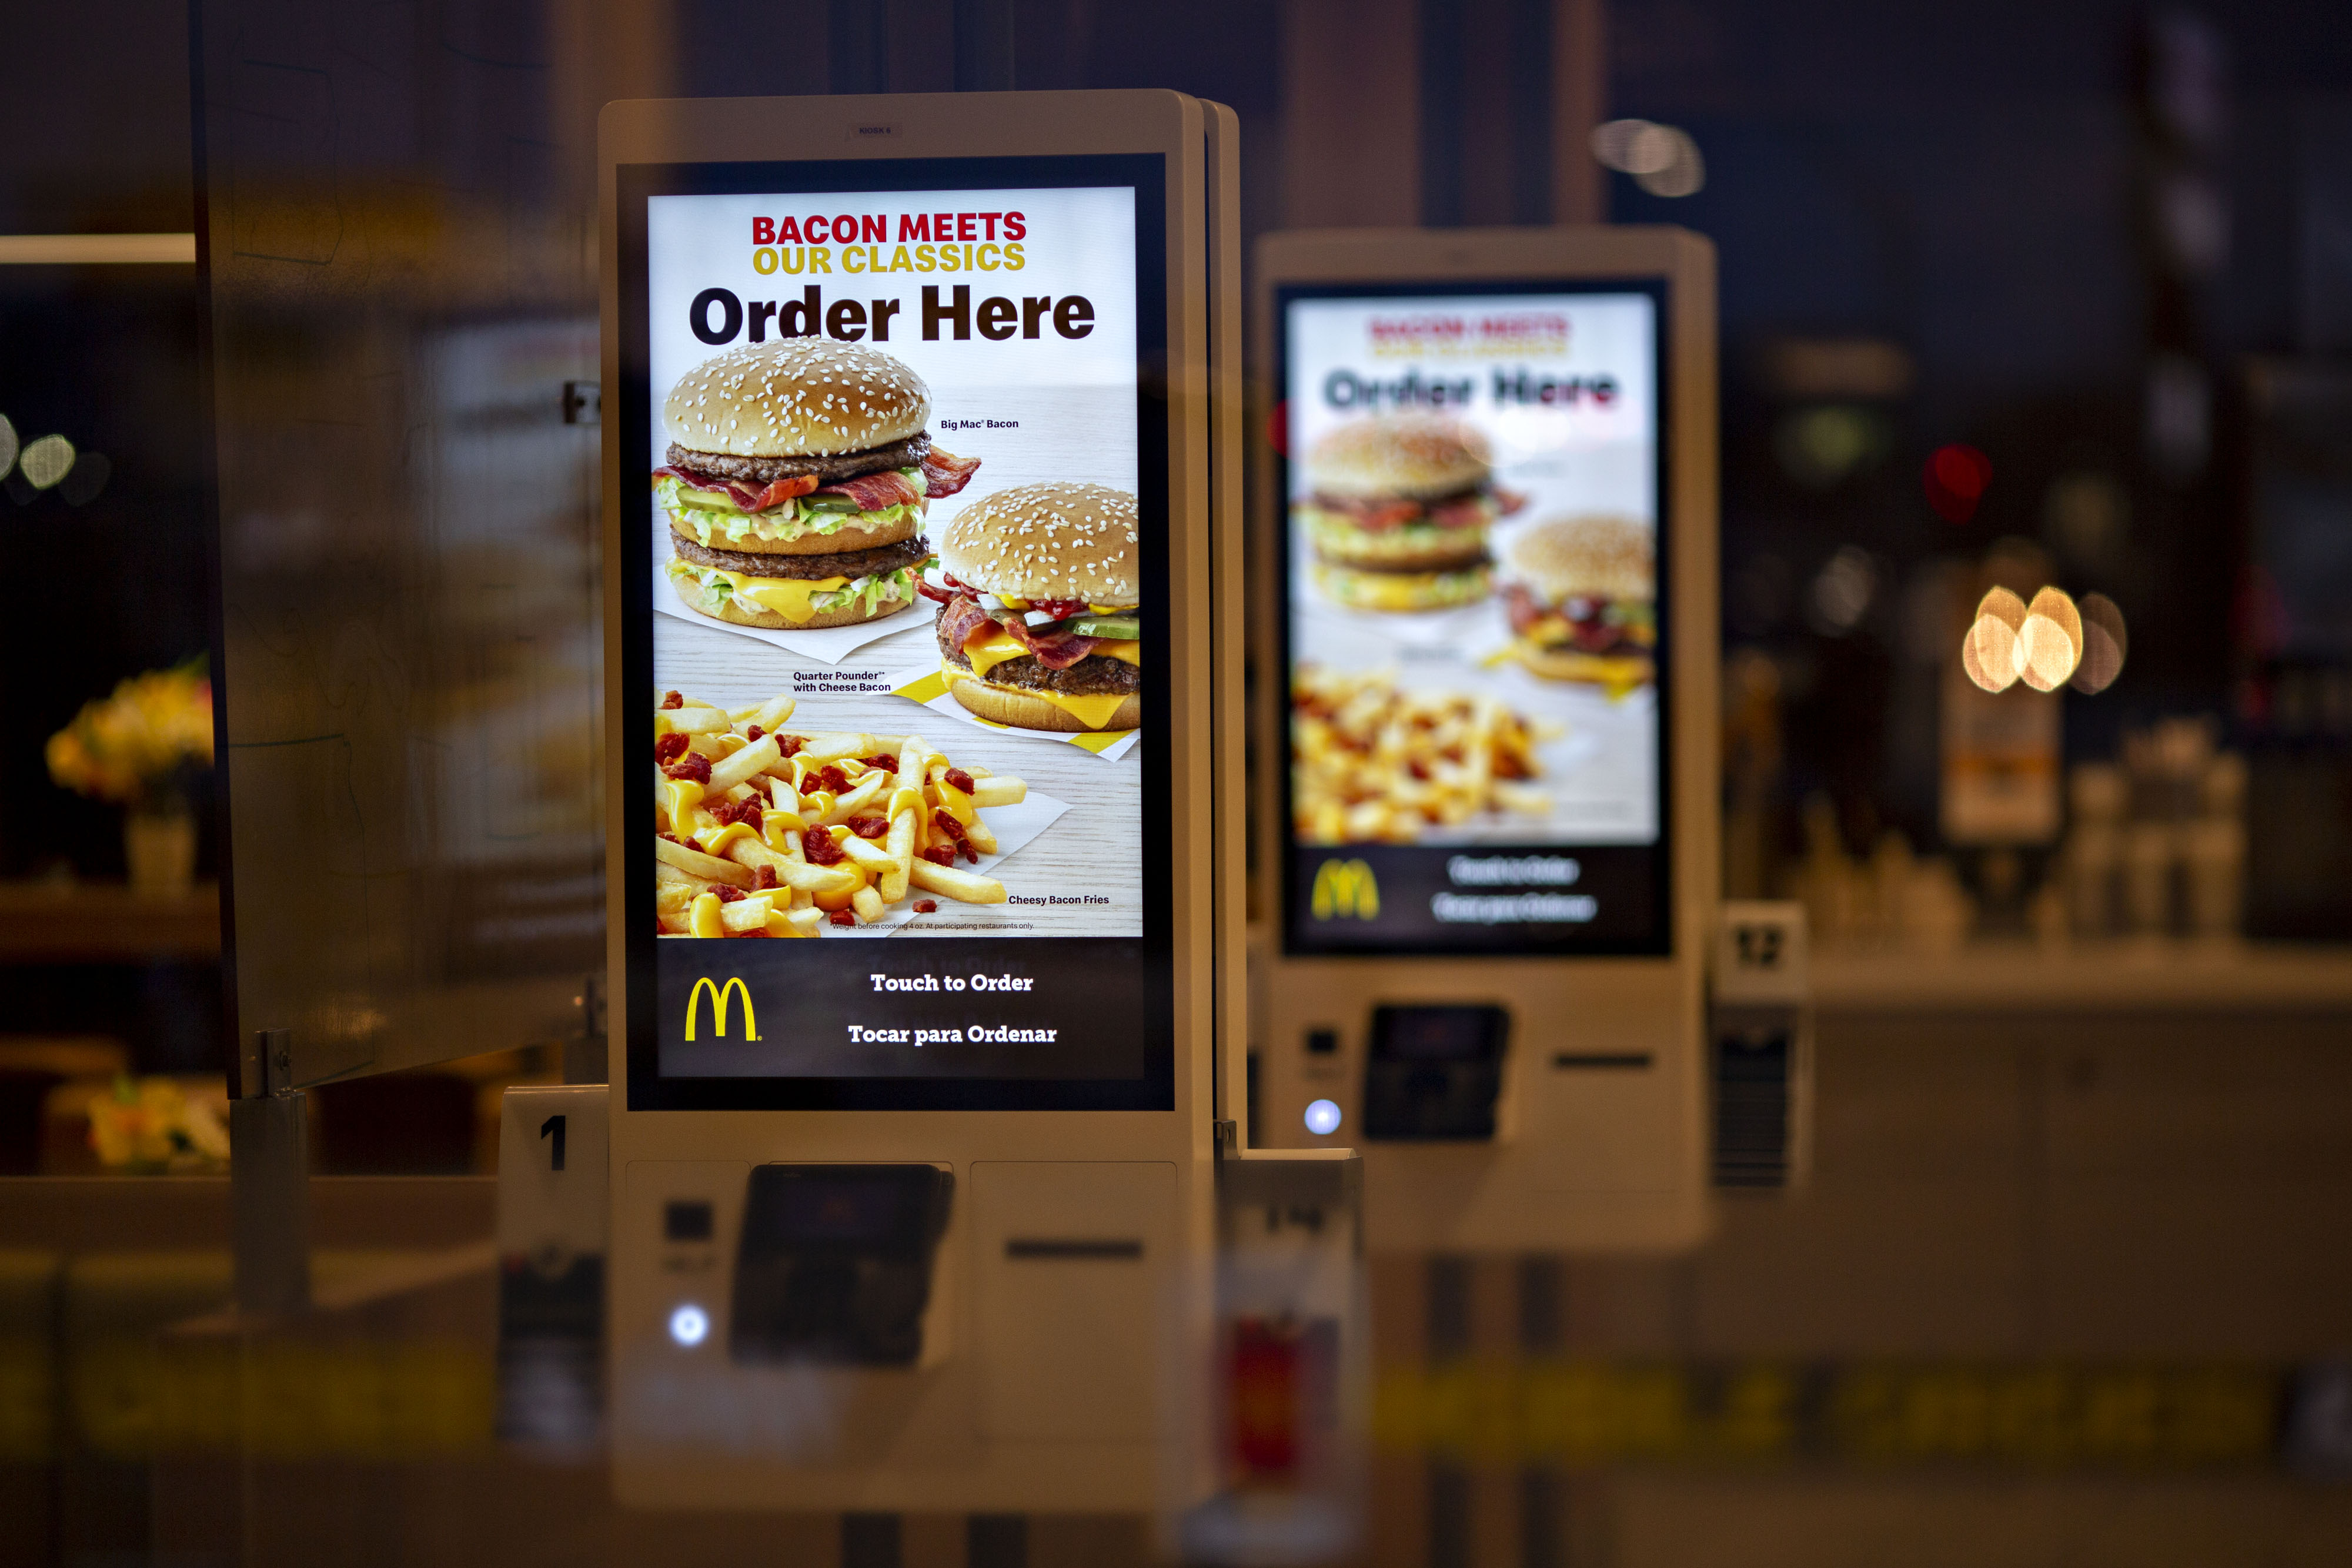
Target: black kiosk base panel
(1434, 1074)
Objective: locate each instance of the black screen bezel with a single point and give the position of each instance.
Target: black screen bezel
(1659, 942)
(1147, 175)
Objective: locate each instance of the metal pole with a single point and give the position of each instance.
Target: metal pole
(270, 1181)
(859, 60)
(983, 45)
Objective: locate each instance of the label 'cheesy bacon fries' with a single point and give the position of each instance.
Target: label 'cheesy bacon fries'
(764, 831)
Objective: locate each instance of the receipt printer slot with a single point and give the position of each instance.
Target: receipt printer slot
(1435, 1073)
(836, 1263)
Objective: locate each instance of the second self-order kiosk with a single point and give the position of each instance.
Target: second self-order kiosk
(916, 891)
(1486, 792)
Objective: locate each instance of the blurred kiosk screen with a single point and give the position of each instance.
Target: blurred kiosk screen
(906, 462)
(1490, 598)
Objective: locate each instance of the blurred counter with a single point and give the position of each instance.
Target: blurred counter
(92, 1214)
(104, 923)
(2118, 976)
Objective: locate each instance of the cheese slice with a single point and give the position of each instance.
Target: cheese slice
(989, 652)
(1092, 712)
(784, 596)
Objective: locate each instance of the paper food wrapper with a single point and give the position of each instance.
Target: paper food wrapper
(927, 687)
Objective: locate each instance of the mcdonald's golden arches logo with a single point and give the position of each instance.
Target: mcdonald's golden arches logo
(1345, 888)
(719, 999)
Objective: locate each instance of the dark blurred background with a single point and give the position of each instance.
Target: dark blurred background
(2108, 247)
(2011, 295)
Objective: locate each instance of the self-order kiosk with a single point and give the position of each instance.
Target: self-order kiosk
(914, 714)
(1486, 728)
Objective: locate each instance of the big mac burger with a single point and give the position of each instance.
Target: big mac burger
(1399, 511)
(1041, 628)
(1581, 596)
(797, 479)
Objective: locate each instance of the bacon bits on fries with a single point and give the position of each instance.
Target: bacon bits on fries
(766, 831)
(1374, 763)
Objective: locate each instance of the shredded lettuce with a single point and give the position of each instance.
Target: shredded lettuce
(717, 526)
(874, 589)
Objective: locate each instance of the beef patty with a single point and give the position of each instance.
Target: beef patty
(906, 453)
(1092, 676)
(841, 563)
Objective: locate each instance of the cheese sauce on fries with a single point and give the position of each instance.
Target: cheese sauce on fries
(760, 831)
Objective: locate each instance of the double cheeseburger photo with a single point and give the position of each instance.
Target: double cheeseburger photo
(1398, 512)
(1582, 601)
(1040, 627)
(795, 483)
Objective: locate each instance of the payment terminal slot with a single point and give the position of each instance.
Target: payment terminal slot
(1435, 1073)
(1485, 624)
(835, 1265)
(909, 479)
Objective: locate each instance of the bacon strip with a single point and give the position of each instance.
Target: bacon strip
(1058, 652)
(1371, 515)
(873, 492)
(743, 495)
(962, 620)
(1465, 511)
(944, 473)
(1458, 514)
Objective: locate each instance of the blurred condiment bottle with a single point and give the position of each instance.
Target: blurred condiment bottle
(2156, 847)
(2099, 795)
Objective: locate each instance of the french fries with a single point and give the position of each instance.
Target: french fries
(1374, 763)
(961, 885)
(739, 801)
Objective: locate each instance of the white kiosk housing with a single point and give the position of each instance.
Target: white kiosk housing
(913, 1198)
(1487, 727)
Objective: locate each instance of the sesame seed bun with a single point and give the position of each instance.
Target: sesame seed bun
(1047, 541)
(1621, 671)
(794, 398)
(1419, 456)
(1590, 557)
(1024, 710)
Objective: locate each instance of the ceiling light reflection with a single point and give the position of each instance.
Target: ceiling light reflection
(1662, 159)
(2103, 645)
(2050, 645)
(1990, 651)
(46, 461)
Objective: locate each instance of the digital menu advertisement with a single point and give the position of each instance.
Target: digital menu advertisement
(1472, 602)
(899, 519)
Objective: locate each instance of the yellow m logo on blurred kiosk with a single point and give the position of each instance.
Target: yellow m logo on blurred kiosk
(718, 1000)
(1344, 888)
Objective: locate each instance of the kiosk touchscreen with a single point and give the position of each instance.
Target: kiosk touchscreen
(907, 500)
(1487, 820)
